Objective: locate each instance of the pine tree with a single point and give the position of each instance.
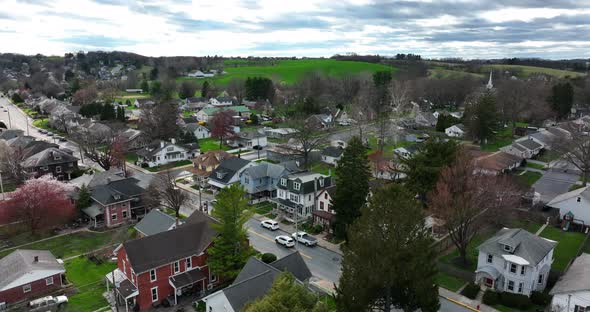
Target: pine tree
(352, 180)
(482, 118)
(205, 89)
(84, 200)
(145, 86)
(388, 262)
(230, 250)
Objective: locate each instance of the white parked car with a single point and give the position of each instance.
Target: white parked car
(42, 304)
(270, 224)
(285, 241)
(305, 239)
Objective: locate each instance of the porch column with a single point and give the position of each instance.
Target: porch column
(126, 307)
(175, 299)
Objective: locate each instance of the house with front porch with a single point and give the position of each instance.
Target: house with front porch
(115, 202)
(297, 194)
(514, 261)
(205, 163)
(228, 172)
(162, 153)
(169, 264)
(323, 214)
(260, 181)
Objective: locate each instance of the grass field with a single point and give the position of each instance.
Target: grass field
(567, 246)
(211, 144)
(290, 71)
(472, 253)
(525, 71)
(443, 73)
(535, 166)
(449, 282)
(77, 243)
(88, 278)
(322, 168)
(503, 138)
(528, 178)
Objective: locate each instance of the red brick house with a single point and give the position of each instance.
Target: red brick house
(114, 202)
(167, 264)
(26, 274)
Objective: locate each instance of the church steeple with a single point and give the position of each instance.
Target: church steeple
(490, 85)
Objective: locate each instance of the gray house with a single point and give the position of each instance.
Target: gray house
(155, 222)
(514, 261)
(260, 181)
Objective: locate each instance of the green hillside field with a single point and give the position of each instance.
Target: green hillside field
(290, 71)
(525, 71)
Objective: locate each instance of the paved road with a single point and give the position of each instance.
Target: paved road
(553, 183)
(323, 263)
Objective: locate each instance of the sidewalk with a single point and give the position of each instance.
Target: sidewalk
(322, 241)
(464, 301)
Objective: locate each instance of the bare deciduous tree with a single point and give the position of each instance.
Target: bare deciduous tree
(106, 151)
(465, 199)
(575, 148)
(399, 92)
(164, 190)
(306, 138)
(237, 87)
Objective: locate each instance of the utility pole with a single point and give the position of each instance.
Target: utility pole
(2, 186)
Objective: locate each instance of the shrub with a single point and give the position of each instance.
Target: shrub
(318, 228)
(470, 291)
(540, 298)
(552, 279)
(200, 306)
(491, 298)
(516, 301)
(268, 258)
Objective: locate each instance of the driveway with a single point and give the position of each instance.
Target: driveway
(553, 183)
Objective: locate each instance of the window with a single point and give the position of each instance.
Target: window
(124, 214)
(220, 175)
(540, 279)
(578, 308)
(322, 182)
(152, 275)
(57, 157)
(247, 180)
(189, 263)
(58, 169)
(512, 268)
(326, 195)
(309, 197)
(170, 149)
(154, 294)
(44, 168)
(114, 217)
(213, 278)
(49, 281)
(176, 267)
(284, 182)
(522, 270)
(296, 186)
(294, 198)
(511, 285)
(506, 247)
(27, 288)
(490, 258)
(321, 205)
(520, 286)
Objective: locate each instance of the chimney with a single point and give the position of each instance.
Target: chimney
(162, 144)
(36, 259)
(173, 141)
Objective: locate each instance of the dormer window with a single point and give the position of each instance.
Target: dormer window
(507, 248)
(579, 199)
(57, 157)
(284, 182)
(321, 182)
(296, 186)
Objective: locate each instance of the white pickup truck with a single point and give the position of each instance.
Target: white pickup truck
(45, 303)
(305, 239)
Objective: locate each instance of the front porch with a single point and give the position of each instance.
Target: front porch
(125, 292)
(288, 210)
(488, 277)
(188, 283)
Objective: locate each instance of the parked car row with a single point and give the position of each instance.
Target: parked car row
(286, 240)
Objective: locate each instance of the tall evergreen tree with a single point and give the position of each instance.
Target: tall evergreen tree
(562, 98)
(84, 199)
(145, 86)
(352, 180)
(481, 118)
(230, 250)
(205, 89)
(108, 112)
(388, 262)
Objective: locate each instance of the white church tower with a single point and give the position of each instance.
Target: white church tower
(490, 85)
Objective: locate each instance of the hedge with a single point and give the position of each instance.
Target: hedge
(470, 291)
(491, 298)
(516, 301)
(540, 298)
(268, 258)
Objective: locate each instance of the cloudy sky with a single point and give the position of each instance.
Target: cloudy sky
(433, 28)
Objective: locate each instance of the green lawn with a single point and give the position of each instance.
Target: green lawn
(535, 166)
(263, 208)
(131, 157)
(548, 156)
(503, 138)
(290, 71)
(449, 282)
(322, 168)
(44, 124)
(171, 212)
(211, 144)
(568, 244)
(532, 227)
(528, 178)
(77, 243)
(444, 73)
(170, 166)
(88, 278)
(472, 253)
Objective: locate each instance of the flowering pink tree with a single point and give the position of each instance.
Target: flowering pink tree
(42, 202)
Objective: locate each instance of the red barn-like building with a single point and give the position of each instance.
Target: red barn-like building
(26, 274)
(167, 264)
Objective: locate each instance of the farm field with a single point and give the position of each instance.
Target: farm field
(290, 71)
(529, 70)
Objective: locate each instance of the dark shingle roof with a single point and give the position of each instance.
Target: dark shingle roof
(529, 144)
(10, 134)
(332, 151)
(528, 246)
(48, 157)
(257, 277)
(155, 222)
(228, 167)
(165, 247)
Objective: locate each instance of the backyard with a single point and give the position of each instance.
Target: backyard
(211, 144)
(567, 246)
(88, 278)
(322, 168)
(528, 177)
(503, 138)
(74, 244)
